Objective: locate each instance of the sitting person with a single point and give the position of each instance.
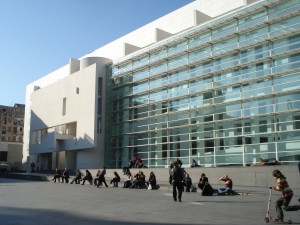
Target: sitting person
(204, 186)
(65, 176)
(128, 181)
(116, 179)
(57, 175)
(151, 184)
(139, 181)
(227, 189)
(187, 182)
(138, 162)
(88, 176)
(96, 180)
(77, 177)
(126, 169)
(194, 164)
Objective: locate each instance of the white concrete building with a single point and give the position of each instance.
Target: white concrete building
(74, 116)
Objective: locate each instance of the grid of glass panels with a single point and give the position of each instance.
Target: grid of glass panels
(224, 97)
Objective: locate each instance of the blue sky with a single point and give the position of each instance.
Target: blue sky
(40, 36)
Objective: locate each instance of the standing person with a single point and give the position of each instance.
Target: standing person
(170, 172)
(77, 177)
(32, 167)
(88, 176)
(65, 176)
(177, 177)
(227, 190)
(116, 179)
(102, 177)
(286, 195)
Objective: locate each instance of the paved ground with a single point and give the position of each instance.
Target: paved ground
(45, 203)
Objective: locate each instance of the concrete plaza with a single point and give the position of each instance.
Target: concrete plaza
(25, 202)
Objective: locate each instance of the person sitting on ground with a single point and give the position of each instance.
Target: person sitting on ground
(102, 177)
(128, 181)
(77, 177)
(88, 176)
(116, 179)
(204, 186)
(227, 189)
(138, 162)
(126, 169)
(187, 182)
(139, 181)
(65, 176)
(194, 164)
(151, 184)
(96, 180)
(57, 175)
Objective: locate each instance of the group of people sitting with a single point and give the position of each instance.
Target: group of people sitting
(136, 181)
(79, 178)
(139, 181)
(203, 184)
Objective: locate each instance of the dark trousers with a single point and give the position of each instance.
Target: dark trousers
(65, 178)
(177, 187)
(285, 203)
(115, 181)
(102, 179)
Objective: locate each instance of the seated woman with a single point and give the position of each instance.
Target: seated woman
(116, 179)
(88, 176)
(139, 181)
(128, 181)
(187, 182)
(151, 184)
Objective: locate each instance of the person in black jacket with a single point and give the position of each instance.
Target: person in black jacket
(151, 184)
(57, 175)
(177, 177)
(77, 177)
(102, 177)
(88, 176)
(65, 176)
(116, 179)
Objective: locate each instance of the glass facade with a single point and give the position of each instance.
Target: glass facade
(223, 93)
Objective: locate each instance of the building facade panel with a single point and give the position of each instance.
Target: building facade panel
(220, 94)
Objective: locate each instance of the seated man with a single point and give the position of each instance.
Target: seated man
(227, 190)
(57, 175)
(65, 176)
(77, 177)
(88, 176)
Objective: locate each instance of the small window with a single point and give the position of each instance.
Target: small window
(64, 106)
